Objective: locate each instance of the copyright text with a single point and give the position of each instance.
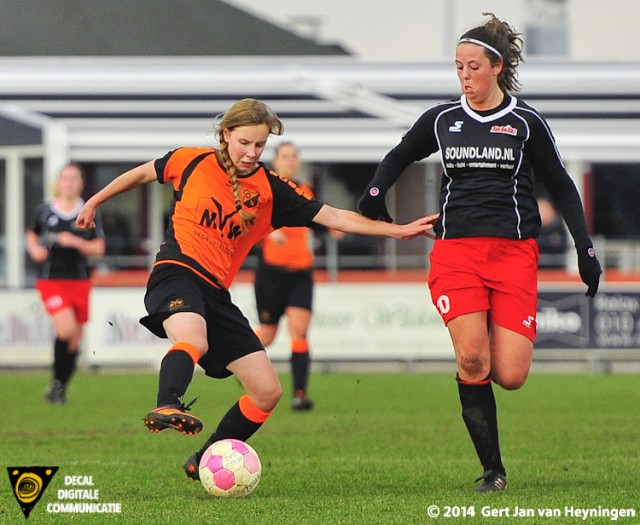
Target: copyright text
(612, 514)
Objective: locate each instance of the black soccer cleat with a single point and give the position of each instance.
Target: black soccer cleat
(301, 402)
(56, 394)
(192, 467)
(175, 417)
(492, 481)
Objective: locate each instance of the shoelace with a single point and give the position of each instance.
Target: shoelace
(187, 407)
(486, 476)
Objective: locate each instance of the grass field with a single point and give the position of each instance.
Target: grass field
(378, 448)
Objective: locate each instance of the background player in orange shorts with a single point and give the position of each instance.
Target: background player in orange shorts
(484, 262)
(61, 249)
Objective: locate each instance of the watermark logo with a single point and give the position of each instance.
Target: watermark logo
(29, 484)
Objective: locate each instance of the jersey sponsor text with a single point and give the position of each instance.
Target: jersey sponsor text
(476, 152)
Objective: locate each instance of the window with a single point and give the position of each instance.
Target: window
(34, 195)
(615, 200)
(124, 218)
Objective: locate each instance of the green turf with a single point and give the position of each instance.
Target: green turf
(378, 448)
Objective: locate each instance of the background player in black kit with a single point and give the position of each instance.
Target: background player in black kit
(483, 277)
(61, 249)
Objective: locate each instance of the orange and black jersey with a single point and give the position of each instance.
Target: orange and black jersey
(204, 231)
(294, 254)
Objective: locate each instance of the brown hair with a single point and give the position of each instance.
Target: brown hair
(283, 144)
(508, 42)
(245, 112)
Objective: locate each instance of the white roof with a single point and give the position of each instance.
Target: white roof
(337, 109)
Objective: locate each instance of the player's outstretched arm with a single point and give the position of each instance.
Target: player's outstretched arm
(137, 176)
(352, 222)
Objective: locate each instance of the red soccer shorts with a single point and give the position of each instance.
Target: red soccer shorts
(492, 274)
(58, 294)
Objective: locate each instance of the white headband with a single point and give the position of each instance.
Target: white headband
(480, 43)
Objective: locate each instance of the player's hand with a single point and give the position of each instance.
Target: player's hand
(336, 234)
(589, 268)
(372, 204)
(422, 226)
(85, 219)
(68, 240)
(39, 253)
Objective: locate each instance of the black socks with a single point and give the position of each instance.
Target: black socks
(64, 361)
(233, 425)
(176, 372)
(480, 416)
(300, 371)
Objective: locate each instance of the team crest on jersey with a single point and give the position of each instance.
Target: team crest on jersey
(507, 130)
(250, 198)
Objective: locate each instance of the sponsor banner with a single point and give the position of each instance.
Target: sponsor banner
(355, 321)
(364, 321)
(563, 320)
(351, 322)
(611, 320)
(26, 331)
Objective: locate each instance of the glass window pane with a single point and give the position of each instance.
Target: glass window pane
(33, 197)
(124, 218)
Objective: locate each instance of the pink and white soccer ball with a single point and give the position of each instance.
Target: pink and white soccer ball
(230, 469)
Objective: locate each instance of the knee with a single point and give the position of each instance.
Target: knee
(67, 332)
(266, 335)
(201, 344)
(267, 397)
(266, 339)
(473, 367)
(512, 379)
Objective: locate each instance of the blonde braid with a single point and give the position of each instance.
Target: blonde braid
(246, 217)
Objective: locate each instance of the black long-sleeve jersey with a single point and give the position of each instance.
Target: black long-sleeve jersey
(489, 160)
(48, 222)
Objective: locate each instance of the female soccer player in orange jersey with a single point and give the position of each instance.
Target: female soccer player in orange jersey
(225, 200)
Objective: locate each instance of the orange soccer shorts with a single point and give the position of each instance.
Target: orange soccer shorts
(492, 274)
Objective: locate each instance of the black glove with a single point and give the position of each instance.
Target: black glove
(589, 269)
(372, 204)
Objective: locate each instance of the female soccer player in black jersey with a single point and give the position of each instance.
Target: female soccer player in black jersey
(61, 250)
(483, 277)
